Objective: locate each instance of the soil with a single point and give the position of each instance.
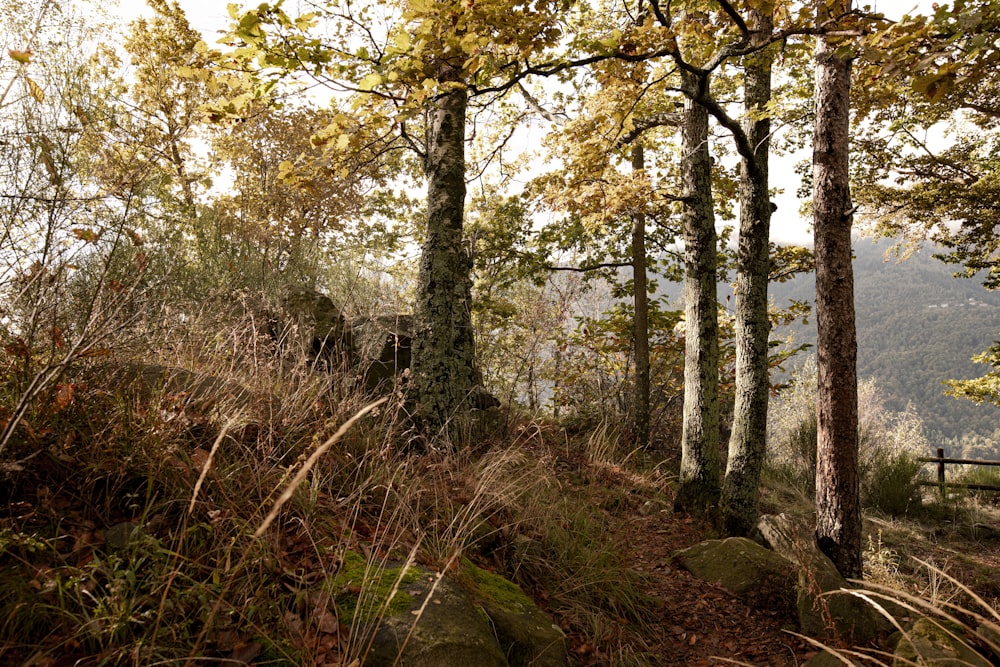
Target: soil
(697, 623)
(701, 623)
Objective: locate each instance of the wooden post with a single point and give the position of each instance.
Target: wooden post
(941, 486)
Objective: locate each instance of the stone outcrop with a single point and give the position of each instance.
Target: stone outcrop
(477, 618)
(317, 326)
(930, 643)
(792, 575)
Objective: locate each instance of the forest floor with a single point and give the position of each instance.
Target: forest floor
(698, 623)
(680, 620)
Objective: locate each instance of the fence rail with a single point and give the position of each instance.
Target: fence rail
(941, 460)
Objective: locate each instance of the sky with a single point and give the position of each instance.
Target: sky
(211, 16)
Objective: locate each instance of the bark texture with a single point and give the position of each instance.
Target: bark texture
(442, 369)
(838, 508)
(699, 478)
(747, 442)
(640, 332)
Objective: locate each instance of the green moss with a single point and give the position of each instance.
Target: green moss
(495, 588)
(362, 589)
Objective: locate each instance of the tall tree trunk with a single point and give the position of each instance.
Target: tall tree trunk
(640, 322)
(699, 479)
(442, 367)
(748, 439)
(838, 508)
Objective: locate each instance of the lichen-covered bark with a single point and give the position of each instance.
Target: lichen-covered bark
(699, 478)
(838, 508)
(747, 442)
(640, 332)
(442, 367)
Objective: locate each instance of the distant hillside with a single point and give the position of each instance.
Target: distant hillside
(918, 326)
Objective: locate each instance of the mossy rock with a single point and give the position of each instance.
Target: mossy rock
(826, 659)
(361, 592)
(928, 643)
(449, 630)
(526, 634)
(824, 610)
(745, 568)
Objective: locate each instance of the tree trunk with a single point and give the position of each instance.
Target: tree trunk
(838, 508)
(747, 442)
(442, 368)
(640, 323)
(699, 479)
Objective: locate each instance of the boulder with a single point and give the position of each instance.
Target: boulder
(825, 609)
(745, 568)
(449, 630)
(526, 634)
(317, 325)
(478, 618)
(827, 659)
(385, 345)
(929, 643)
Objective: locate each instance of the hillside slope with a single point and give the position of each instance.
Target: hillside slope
(917, 326)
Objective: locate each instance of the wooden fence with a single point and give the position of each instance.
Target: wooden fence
(944, 485)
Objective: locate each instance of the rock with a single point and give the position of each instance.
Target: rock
(825, 609)
(320, 327)
(450, 630)
(119, 535)
(745, 568)
(480, 399)
(386, 342)
(827, 659)
(928, 643)
(480, 619)
(385, 345)
(526, 634)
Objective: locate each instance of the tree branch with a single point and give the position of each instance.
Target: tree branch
(665, 119)
(542, 111)
(591, 267)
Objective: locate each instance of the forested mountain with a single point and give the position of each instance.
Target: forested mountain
(917, 327)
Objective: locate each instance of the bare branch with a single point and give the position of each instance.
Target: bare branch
(539, 109)
(641, 125)
(590, 267)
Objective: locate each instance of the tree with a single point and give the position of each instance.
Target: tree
(838, 506)
(699, 483)
(748, 439)
(640, 329)
(434, 59)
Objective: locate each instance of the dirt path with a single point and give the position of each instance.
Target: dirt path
(700, 623)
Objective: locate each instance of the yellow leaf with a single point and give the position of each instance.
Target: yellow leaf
(343, 141)
(35, 90)
(23, 57)
(370, 81)
(469, 43)
(86, 235)
(402, 42)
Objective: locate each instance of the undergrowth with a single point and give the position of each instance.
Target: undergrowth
(176, 508)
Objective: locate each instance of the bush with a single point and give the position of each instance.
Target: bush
(891, 483)
(888, 443)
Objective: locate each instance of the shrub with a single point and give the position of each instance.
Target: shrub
(891, 483)
(888, 443)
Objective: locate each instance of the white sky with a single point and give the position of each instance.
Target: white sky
(211, 17)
